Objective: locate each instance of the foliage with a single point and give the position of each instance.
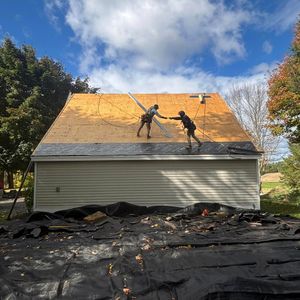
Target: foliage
(284, 93)
(29, 192)
(32, 92)
(291, 169)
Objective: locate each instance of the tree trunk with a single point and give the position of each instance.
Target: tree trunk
(10, 180)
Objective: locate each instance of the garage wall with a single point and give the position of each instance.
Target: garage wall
(61, 185)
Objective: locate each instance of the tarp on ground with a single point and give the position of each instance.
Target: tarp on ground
(200, 252)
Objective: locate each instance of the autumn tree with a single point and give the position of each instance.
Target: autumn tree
(284, 94)
(284, 109)
(32, 92)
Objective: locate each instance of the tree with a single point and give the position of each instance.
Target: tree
(284, 94)
(284, 108)
(249, 104)
(291, 168)
(32, 92)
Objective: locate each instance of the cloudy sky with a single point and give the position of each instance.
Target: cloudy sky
(157, 45)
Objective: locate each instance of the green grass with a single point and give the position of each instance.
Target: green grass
(278, 199)
(271, 185)
(280, 208)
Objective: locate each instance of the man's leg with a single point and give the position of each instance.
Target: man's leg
(148, 130)
(140, 128)
(196, 139)
(189, 146)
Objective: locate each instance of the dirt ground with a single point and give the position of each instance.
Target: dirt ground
(271, 177)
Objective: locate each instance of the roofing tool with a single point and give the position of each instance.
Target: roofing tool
(165, 131)
(202, 98)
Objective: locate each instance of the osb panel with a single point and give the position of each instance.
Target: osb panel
(114, 118)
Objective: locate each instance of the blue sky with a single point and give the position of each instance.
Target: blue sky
(157, 46)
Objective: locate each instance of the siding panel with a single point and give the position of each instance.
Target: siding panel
(61, 185)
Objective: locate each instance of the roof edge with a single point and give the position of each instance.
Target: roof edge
(143, 157)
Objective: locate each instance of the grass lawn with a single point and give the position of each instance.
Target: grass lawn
(271, 185)
(277, 199)
(280, 208)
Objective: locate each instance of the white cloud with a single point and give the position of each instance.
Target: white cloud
(146, 46)
(121, 80)
(267, 47)
(263, 68)
(51, 6)
(158, 35)
(285, 16)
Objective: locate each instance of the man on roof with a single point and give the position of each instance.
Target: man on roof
(190, 126)
(147, 119)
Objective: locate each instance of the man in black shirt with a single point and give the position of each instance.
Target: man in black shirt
(190, 126)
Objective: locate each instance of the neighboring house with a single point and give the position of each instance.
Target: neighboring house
(91, 155)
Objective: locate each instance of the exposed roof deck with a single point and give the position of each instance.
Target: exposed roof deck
(106, 124)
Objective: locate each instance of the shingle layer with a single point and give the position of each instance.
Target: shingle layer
(130, 149)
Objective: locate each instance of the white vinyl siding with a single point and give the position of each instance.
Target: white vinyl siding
(61, 185)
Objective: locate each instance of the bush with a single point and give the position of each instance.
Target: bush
(291, 169)
(29, 192)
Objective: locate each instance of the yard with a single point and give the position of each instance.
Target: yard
(276, 197)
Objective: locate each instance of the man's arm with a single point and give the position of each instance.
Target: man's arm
(159, 115)
(175, 118)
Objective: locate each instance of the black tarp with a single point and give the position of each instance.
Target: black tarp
(151, 253)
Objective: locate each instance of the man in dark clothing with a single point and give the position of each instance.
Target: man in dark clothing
(147, 119)
(190, 126)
